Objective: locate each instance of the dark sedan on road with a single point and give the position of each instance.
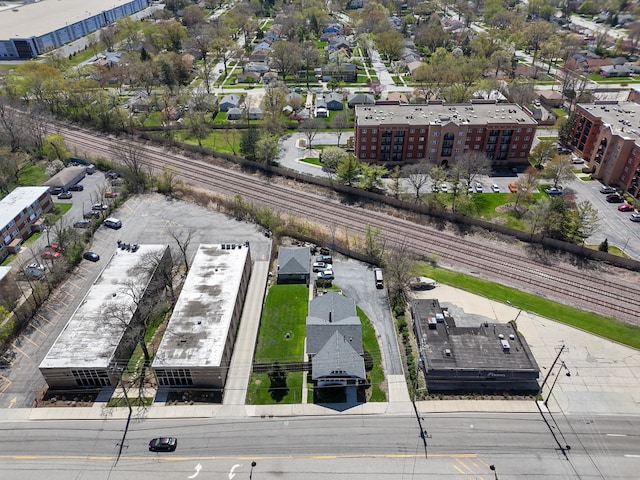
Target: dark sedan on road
(614, 198)
(91, 256)
(163, 444)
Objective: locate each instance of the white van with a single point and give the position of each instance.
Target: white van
(113, 223)
(378, 276)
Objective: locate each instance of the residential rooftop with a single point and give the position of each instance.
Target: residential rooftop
(197, 332)
(38, 18)
(13, 204)
(622, 117)
(474, 113)
(88, 340)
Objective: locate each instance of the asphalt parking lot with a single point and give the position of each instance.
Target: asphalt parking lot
(145, 219)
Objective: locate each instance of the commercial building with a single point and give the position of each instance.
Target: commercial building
(66, 178)
(101, 334)
(20, 216)
(35, 28)
(440, 133)
(607, 135)
(487, 358)
(196, 348)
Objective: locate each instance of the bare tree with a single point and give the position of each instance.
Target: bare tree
(340, 122)
(11, 122)
(399, 265)
(135, 172)
(310, 127)
(472, 164)
(418, 176)
(183, 239)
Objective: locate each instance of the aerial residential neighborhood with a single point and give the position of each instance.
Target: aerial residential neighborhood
(356, 239)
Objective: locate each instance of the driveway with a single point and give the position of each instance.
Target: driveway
(291, 152)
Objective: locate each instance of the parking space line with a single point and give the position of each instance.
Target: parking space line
(6, 360)
(54, 310)
(73, 284)
(45, 319)
(38, 330)
(18, 349)
(5, 387)
(29, 340)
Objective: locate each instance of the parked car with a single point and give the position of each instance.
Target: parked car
(444, 188)
(91, 214)
(324, 259)
(84, 223)
(110, 194)
(495, 188)
(99, 206)
(55, 190)
(626, 207)
(112, 222)
(65, 196)
(614, 198)
(478, 187)
(576, 159)
(76, 188)
(470, 189)
(320, 266)
(34, 270)
(607, 190)
(635, 217)
(326, 275)
(553, 191)
(36, 266)
(91, 256)
(513, 187)
(163, 444)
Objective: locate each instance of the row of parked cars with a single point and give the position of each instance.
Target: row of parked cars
(477, 188)
(612, 196)
(323, 267)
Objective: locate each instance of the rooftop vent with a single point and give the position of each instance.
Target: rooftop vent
(447, 352)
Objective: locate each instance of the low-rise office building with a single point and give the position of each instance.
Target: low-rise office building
(20, 216)
(197, 345)
(487, 358)
(440, 133)
(607, 135)
(101, 334)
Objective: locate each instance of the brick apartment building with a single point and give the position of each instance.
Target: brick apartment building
(20, 212)
(439, 133)
(607, 135)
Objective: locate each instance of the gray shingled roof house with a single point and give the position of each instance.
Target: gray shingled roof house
(337, 362)
(294, 265)
(334, 340)
(329, 313)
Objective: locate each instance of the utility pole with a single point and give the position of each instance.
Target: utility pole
(551, 369)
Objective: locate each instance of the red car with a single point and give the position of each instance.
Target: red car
(626, 207)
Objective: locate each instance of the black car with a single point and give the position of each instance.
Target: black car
(84, 223)
(92, 214)
(65, 196)
(163, 444)
(76, 188)
(55, 190)
(614, 198)
(91, 256)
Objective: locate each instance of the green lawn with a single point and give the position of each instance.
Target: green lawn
(285, 312)
(548, 138)
(33, 175)
(371, 345)
(217, 140)
(312, 161)
(598, 324)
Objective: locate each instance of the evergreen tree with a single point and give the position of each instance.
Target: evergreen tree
(250, 137)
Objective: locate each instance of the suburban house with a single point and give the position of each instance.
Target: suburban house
(259, 67)
(333, 101)
(248, 77)
(269, 77)
(294, 265)
(334, 341)
(255, 113)
(229, 101)
(625, 70)
(234, 113)
(360, 99)
(346, 72)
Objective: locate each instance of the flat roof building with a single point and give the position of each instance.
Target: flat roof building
(197, 345)
(607, 135)
(440, 133)
(100, 335)
(19, 215)
(32, 29)
(490, 357)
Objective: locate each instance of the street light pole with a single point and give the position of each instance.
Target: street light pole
(253, 464)
(493, 469)
(568, 374)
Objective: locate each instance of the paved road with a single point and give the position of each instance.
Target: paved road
(320, 448)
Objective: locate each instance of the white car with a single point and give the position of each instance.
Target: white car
(495, 188)
(326, 275)
(444, 188)
(320, 267)
(99, 206)
(479, 187)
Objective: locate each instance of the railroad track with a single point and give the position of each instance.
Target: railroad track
(596, 291)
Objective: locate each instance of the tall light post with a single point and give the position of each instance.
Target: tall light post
(253, 464)
(493, 469)
(568, 374)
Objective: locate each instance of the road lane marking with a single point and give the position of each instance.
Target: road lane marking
(616, 435)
